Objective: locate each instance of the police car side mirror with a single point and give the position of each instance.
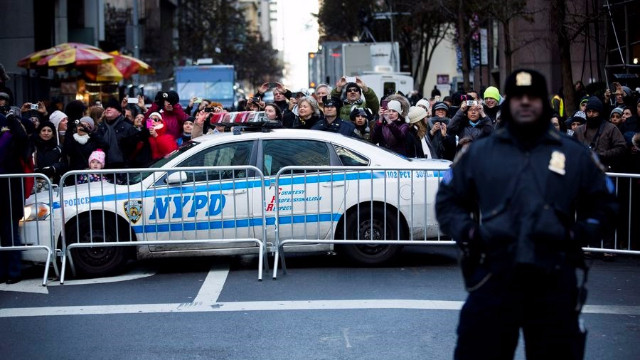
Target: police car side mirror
(177, 178)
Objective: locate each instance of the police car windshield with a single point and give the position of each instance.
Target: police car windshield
(136, 178)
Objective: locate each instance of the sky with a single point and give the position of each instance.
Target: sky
(297, 34)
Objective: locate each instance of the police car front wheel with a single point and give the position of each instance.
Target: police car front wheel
(99, 260)
(365, 225)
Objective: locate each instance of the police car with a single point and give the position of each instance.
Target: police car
(391, 198)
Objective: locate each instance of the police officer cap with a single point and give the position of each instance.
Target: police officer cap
(526, 82)
(332, 101)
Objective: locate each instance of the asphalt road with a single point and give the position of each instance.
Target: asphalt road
(323, 308)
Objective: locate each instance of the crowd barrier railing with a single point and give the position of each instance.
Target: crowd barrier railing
(36, 211)
(369, 211)
(624, 238)
(199, 206)
(366, 209)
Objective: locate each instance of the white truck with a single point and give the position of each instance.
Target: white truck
(377, 64)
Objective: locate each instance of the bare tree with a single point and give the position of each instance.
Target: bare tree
(420, 34)
(569, 21)
(505, 12)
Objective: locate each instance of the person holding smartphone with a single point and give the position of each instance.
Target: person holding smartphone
(356, 94)
(391, 129)
(470, 121)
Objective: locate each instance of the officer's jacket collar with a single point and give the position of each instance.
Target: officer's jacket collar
(549, 136)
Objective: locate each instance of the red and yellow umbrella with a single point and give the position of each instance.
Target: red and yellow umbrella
(33, 58)
(129, 65)
(106, 72)
(76, 57)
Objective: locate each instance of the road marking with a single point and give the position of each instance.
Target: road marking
(273, 306)
(345, 334)
(212, 285)
(35, 285)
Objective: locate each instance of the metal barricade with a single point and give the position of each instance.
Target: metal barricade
(625, 237)
(36, 227)
(367, 208)
(205, 207)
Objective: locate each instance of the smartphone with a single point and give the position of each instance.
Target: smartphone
(34, 106)
(437, 98)
(273, 85)
(132, 100)
(197, 100)
(351, 79)
(149, 123)
(384, 103)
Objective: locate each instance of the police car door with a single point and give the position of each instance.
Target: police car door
(311, 203)
(210, 204)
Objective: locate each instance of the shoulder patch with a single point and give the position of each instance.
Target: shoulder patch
(448, 176)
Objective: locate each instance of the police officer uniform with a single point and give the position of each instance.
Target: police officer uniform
(346, 128)
(510, 202)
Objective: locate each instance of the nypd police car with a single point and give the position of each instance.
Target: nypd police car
(392, 198)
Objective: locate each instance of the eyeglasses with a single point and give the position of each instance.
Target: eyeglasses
(353, 90)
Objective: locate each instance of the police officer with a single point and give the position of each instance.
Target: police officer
(332, 122)
(510, 201)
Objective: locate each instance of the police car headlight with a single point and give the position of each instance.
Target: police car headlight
(37, 211)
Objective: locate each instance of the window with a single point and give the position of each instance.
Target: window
(233, 154)
(389, 88)
(280, 153)
(350, 158)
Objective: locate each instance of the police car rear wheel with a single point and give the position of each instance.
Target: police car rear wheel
(96, 261)
(367, 227)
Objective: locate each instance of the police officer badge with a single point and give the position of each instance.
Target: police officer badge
(557, 162)
(133, 209)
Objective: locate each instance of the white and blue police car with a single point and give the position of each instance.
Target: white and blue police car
(391, 198)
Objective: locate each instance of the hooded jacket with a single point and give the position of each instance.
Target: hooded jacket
(172, 120)
(163, 144)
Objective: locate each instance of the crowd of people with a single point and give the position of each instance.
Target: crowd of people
(122, 134)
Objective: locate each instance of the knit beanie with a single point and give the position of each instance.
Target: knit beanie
(98, 155)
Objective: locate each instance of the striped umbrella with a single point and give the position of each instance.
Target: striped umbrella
(75, 57)
(129, 65)
(106, 72)
(33, 58)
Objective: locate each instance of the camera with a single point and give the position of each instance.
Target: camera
(132, 100)
(472, 103)
(34, 106)
(209, 109)
(255, 99)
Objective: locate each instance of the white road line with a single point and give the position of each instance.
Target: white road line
(272, 306)
(212, 285)
(35, 285)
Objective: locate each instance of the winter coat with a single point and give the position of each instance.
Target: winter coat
(370, 101)
(48, 158)
(13, 149)
(173, 120)
(78, 154)
(392, 136)
(346, 128)
(141, 153)
(461, 126)
(297, 123)
(606, 141)
(413, 144)
(163, 144)
(127, 137)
